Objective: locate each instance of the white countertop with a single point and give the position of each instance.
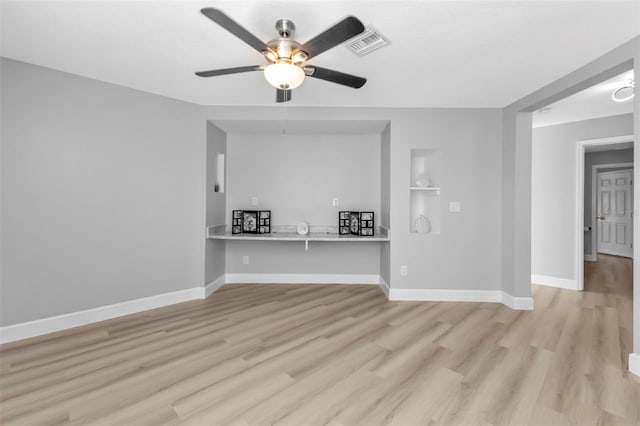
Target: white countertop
(285, 234)
(292, 236)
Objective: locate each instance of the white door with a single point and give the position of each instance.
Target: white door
(614, 213)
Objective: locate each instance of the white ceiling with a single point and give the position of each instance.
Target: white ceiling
(590, 103)
(442, 53)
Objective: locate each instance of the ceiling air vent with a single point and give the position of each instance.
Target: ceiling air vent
(366, 42)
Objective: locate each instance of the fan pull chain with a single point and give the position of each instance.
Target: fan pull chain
(284, 118)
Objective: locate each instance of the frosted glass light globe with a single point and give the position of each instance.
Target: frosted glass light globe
(284, 75)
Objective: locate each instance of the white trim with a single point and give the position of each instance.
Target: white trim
(634, 363)
(434, 295)
(579, 207)
(517, 303)
(302, 279)
(38, 327)
(554, 282)
(579, 214)
(213, 286)
(75, 319)
(409, 294)
(384, 286)
(593, 256)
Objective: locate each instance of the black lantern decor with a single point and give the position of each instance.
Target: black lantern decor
(236, 222)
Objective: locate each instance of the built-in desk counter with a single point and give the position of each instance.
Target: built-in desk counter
(287, 233)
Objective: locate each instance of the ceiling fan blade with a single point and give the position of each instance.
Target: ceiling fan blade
(340, 32)
(234, 28)
(224, 71)
(335, 76)
(283, 95)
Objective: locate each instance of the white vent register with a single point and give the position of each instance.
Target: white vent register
(366, 42)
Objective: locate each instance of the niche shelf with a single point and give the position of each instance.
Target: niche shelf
(424, 189)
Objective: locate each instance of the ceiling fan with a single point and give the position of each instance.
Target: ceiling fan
(287, 58)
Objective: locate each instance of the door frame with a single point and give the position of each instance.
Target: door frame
(579, 210)
(593, 256)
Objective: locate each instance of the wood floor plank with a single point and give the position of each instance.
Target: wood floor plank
(338, 355)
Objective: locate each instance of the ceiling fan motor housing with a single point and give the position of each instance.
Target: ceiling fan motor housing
(285, 27)
(284, 46)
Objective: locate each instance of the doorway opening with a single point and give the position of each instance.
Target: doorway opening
(555, 253)
(608, 212)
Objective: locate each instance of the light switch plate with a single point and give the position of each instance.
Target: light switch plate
(254, 201)
(454, 206)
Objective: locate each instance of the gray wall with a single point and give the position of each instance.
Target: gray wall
(601, 157)
(216, 203)
(385, 200)
(515, 213)
(470, 143)
(102, 194)
(553, 190)
(296, 176)
(635, 54)
(104, 197)
(290, 257)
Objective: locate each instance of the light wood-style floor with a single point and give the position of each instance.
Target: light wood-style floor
(338, 355)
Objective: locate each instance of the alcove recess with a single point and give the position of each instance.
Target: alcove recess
(425, 189)
(219, 174)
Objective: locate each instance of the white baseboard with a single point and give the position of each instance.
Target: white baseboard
(634, 364)
(62, 322)
(384, 286)
(444, 295)
(554, 282)
(38, 327)
(213, 286)
(517, 303)
(302, 279)
(590, 258)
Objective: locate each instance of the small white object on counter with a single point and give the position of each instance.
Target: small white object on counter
(303, 228)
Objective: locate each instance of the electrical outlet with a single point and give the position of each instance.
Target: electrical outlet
(454, 206)
(254, 201)
(335, 202)
(245, 260)
(403, 270)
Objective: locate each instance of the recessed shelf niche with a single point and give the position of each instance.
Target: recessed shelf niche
(424, 189)
(218, 183)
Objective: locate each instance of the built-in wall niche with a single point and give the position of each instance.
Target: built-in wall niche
(218, 176)
(424, 187)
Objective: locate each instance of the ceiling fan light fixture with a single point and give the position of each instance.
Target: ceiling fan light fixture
(299, 57)
(284, 75)
(624, 93)
(270, 55)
